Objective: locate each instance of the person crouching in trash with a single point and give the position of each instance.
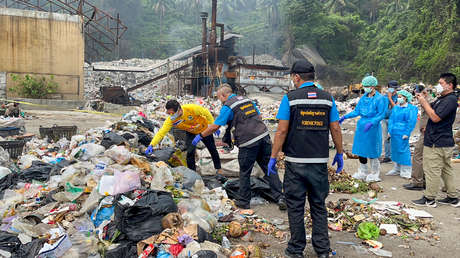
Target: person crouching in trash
(193, 119)
(402, 122)
(367, 143)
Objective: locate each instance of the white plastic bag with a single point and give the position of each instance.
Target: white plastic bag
(106, 185)
(4, 172)
(126, 181)
(25, 161)
(119, 154)
(161, 177)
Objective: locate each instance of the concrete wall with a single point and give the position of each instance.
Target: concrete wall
(43, 44)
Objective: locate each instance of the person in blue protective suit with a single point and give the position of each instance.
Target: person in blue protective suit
(392, 98)
(402, 121)
(367, 143)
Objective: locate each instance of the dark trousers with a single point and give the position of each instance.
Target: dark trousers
(301, 180)
(191, 149)
(247, 156)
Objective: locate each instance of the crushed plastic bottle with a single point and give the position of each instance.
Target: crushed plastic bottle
(226, 243)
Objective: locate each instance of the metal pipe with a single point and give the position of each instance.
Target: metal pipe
(222, 32)
(204, 40)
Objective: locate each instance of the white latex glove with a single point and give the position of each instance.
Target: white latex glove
(405, 137)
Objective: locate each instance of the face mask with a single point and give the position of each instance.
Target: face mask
(401, 101)
(367, 89)
(391, 90)
(175, 116)
(439, 88)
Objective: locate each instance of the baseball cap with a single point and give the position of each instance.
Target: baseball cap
(393, 84)
(302, 66)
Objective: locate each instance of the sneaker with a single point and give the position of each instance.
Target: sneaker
(282, 204)
(448, 200)
(413, 187)
(425, 202)
(392, 173)
(287, 254)
(457, 204)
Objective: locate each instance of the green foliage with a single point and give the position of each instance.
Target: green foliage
(407, 40)
(33, 87)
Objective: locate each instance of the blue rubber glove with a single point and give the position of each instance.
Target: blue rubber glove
(197, 139)
(339, 160)
(342, 119)
(367, 127)
(217, 133)
(149, 150)
(272, 167)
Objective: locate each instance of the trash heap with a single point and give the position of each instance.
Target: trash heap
(97, 195)
(345, 183)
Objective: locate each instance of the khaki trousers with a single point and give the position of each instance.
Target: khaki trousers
(417, 176)
(437, 165)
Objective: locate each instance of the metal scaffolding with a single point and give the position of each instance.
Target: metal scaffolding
(102, 31)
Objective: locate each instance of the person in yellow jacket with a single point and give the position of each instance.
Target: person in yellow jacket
(193, 119)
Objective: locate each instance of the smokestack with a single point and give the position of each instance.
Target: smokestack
(213, 37)
(204, 40)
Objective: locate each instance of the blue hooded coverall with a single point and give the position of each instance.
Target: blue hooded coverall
(402, 122)
(369, 144)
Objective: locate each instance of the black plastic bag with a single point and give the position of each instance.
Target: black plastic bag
(9, 242)
(259, 187)
(143, 219)
(125, 249)
(212, 182)
(8, 182)
(144, 139)
(30, 249)
(56, 170)
(205, 254)
(161, 155)
(39, 171)
(112, 138)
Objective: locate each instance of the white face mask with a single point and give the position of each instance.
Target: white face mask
(391, 90)
(401, 101)
(367, 89)
(292, 84)
(175, 116)
(439, 89)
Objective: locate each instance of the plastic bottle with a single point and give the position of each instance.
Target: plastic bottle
(226, 243)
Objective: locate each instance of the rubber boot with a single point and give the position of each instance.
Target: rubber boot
(395, 171)
(362, 173)
(374, 175)
(406, 171)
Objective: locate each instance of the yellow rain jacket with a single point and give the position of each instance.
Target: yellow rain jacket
(195, 119)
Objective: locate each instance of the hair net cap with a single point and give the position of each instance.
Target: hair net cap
(369, 81)
(406, 94)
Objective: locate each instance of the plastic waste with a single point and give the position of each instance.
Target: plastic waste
(226, 243)
(4, 172)
(87, 151)
(258, 201)
(143, 219)
(381, 252)
(25, 161)
(161, 177)
(119, 154)
(39, 171)
(106, 185)
(126, 181)
(112, 138)
(188, 176)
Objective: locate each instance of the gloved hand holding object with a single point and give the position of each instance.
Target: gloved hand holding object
(272, 167)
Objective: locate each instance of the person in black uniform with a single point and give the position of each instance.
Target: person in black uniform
(306, 115)
(253, 140)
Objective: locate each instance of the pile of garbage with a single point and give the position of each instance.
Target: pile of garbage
(97, 195)
(345, 183)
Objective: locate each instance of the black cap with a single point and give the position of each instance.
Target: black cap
(393, 84)
(302, 66)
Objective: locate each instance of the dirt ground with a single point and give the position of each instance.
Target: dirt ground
(446, 218)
